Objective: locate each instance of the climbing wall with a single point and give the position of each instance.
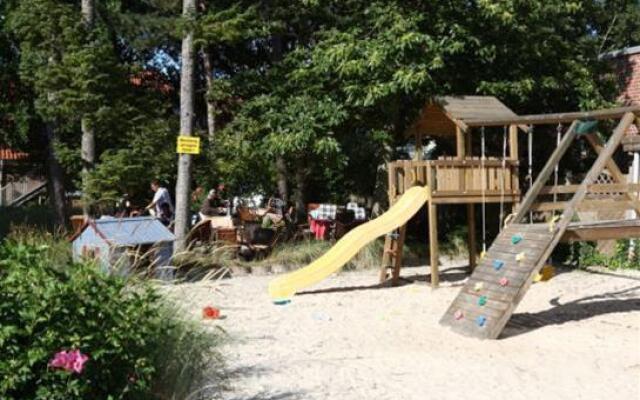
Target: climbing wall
(486, 302)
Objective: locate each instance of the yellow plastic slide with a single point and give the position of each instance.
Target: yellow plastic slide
(284, 287)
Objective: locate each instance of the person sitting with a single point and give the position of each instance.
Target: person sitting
(274, 214)
(212, 206)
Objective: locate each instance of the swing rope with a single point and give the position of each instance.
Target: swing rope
(484, 183)
(530, 166)
(502, 178)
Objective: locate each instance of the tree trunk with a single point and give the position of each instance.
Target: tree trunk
(88, 9)
(186, 128)
(55, 178)
(301, 187)
(281, 164)
(88, 154)
(211, 109)
(88, 147)
(281, 175)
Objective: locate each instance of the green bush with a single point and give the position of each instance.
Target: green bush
(588, 255)
(136, 346)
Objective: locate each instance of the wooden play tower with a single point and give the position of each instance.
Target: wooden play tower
(464, 178)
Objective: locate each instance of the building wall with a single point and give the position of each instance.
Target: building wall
(629, 73)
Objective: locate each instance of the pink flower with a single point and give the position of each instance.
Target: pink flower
(70, 361)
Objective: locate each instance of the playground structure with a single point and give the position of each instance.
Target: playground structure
(463, 179)
(499, 282)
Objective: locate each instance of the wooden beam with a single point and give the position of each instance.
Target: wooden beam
(545, 119)
(597, 188)
(589, 205)
(603, 231)
(546, 172)
(614, 170)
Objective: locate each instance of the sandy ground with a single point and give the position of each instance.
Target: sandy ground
(574, 337)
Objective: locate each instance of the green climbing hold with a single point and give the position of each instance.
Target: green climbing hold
(585, 127)
(515, 239)
(482, 300)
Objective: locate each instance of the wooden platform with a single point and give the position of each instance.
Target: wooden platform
(467, 315)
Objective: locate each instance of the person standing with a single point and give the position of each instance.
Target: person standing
(161, 196)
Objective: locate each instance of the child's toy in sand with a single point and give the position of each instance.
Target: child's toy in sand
(281, 302)
(547, 272)
(210, 313)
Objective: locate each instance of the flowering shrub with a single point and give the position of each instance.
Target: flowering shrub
(71, 332)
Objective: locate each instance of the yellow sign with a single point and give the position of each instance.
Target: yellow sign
(188, 145)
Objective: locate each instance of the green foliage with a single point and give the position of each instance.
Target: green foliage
(137, 347)
(588, 255)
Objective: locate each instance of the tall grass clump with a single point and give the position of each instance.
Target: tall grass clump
(69, 331)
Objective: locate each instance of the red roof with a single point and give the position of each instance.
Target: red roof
(151, 79)
(8, 154)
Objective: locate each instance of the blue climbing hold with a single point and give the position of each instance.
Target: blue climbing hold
(282, 302)
(498, 264)
(515, 239)
(481, 320)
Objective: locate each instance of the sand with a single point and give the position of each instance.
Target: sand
(574, 337)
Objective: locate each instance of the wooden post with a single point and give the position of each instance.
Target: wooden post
(513, 155)
(433, 231)
(433, 243)
(471, 214)
(460, 145)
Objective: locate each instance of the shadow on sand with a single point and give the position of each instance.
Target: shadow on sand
(622, 301)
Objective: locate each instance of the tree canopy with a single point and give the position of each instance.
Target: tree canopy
(327, 88)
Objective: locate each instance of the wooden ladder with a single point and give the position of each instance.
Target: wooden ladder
(392, 255)
(488, 299)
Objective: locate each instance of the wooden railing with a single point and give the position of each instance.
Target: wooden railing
(12, 191)
(457, 180)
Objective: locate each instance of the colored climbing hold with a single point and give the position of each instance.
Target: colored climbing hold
(478, 286)
(503, 281)
(481, 320)
(482, 300)
(515, 239)
(498, 264)
(281, 302)
(520, 256)
(483, 255)
(458, 315)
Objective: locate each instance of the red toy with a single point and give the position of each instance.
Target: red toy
(210, 313)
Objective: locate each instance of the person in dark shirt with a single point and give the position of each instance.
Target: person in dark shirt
(212, 206)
